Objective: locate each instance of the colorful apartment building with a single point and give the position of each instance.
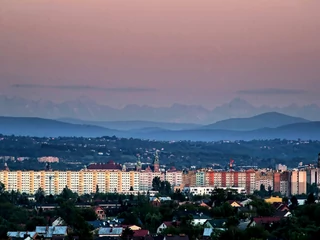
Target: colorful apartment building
(113, 177)
(223, 179)
(285, 183)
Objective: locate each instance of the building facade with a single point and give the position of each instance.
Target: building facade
(298, 182)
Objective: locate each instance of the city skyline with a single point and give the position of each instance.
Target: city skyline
(159, 53)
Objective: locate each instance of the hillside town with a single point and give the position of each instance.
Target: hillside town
(110, 201)
(116, 178)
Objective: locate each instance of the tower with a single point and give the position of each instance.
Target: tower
(318, 160)
(138, 165)
(156, 163)
(6, 168)
(48, 167)
(124, 168)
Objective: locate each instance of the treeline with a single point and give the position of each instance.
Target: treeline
(179, 154)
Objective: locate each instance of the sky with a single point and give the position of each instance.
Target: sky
(152, 52)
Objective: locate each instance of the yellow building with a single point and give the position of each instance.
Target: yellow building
(272, 200)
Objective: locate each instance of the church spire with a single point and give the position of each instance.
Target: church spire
(138, 165)
(156, 162)
(6, 168)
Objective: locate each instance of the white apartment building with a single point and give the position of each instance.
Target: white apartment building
(174, 178)
(83, 182)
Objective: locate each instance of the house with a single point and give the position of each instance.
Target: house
(202, 204)
(264, 221)
(155, 202)
(199, 219)
(176, 237)
(235, 204)
(165, 225)
(58, 222)
(207, 233)
(22, 235)
(52, 232)
(246, 202)
(218, 223)
(165, 199)
(243, 225)
(282, 210)
(110, 232)
(98, 223)
(132, 227)
(100, 213)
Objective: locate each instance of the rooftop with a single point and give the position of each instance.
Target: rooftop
(110, 231)
(111, 165)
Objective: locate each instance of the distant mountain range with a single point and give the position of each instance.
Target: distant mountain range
(265, 120)
(304, 131)
(133, 125)
(265, 126)
(89, 110)
(39, 127)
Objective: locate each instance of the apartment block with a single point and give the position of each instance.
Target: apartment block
(221, 179)
(265, 179)
(174, 177)
(276, 181)
(285, 183)
(298, 181)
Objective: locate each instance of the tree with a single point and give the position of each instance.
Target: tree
(39, 196)
(294, 202)
(311, 199)
(165, 188)
(262, 188)
(73, 218)
(219, 196)
(256, 232)
(50, 199)
(127, 234)
(156, 184)
(130, 218)
(232, 222)
(223, 211)
(263, 192)
(67, 194)
(23, 199)
(177, 195)
(88, 214)
(35, 221)
(269, 191)
(2, 188)
(152, 221)
(263, 208)
(285, 200)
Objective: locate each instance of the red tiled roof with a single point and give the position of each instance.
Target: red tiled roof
(177, 237)
(266, 220)
(171, 224)
(141, 233)
(98, 208)
(172, 169)
(204, 205)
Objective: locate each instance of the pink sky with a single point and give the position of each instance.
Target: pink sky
(193, 52)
